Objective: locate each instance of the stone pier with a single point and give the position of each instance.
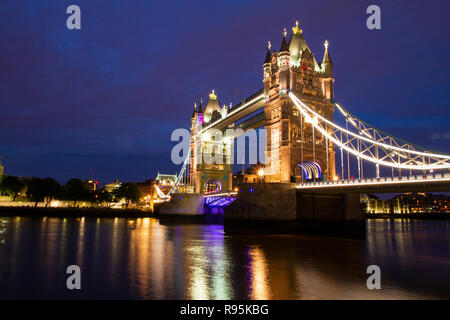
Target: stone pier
(281, 208)
(186, 204)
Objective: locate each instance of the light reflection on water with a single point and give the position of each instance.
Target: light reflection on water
(142, 259)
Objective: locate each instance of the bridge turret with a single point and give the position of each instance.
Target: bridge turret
(194, 115)
(327, 65)
(267, 70)
(284, 64)
(327, 68)
(200, 112)
(224, 111)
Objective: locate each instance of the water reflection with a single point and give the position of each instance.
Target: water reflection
(259, 275)
(142, 259)
(206, 264)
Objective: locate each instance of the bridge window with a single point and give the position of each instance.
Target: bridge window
(213, 186)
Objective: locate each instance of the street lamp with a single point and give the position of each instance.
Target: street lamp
(260, 174)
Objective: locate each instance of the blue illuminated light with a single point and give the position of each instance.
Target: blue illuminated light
(311, 169)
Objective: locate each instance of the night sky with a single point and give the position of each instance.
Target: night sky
(102, 102)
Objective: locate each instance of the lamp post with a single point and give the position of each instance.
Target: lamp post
(260, 174)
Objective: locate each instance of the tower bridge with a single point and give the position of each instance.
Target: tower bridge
(304, 142)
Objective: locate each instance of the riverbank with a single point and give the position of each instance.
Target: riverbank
(73, 212)
(169, 219)
(422, 216)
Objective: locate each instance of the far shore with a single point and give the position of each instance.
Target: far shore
(137, 213)
(424, 216)
(73, 212)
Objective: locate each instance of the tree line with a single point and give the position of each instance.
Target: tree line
(44, 190)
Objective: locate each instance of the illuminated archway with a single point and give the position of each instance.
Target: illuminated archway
(311, 170)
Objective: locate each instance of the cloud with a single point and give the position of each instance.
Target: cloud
(439, 136)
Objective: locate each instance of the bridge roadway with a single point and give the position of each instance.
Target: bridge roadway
(438, 182)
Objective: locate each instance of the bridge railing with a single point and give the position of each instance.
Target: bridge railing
(440, 176)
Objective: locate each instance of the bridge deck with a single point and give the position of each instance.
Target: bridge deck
(439, 182)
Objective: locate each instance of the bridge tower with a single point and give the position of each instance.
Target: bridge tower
(291, 138)
(211, 169)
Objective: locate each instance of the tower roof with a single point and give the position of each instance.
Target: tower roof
(268, 55)
(212, 106)
(195, 109)
(200, 107)
(284, 45)
(297, 43)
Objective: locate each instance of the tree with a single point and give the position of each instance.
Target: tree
(100, 196)
(105, 196)
(130, 192)
(75, 190)
(12, 186)
(53, 190)
(40, 190)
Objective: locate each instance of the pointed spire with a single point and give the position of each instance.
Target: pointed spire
(268, 56)
(327, 65)
(195, 110)
(326, 56)
(284, 45)
(200, 107)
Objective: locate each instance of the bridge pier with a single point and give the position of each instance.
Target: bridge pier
(280, 208)
(185, 204)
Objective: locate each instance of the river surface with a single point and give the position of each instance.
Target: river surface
(143, 259)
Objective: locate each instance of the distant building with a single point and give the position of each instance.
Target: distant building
(254, 174)
(423, 202)
(408, 203)
(110, 187)
(148, 190)
(91, 185)
(165, 181)
(372, 204)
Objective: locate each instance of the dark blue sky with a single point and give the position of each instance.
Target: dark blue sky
(106, 98)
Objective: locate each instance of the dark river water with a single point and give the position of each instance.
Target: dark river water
(142, 259)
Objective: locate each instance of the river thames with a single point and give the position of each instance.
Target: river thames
(142, 259)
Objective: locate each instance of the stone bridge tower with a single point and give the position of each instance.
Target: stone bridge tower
(211, 169)
(290, 139)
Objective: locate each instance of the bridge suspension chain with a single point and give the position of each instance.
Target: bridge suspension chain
(371, 144)
(180, 175)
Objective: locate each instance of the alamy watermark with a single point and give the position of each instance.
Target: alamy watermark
(74, 280)
(374, 280)
(373, 22)
(216, 146)
(73, 21)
